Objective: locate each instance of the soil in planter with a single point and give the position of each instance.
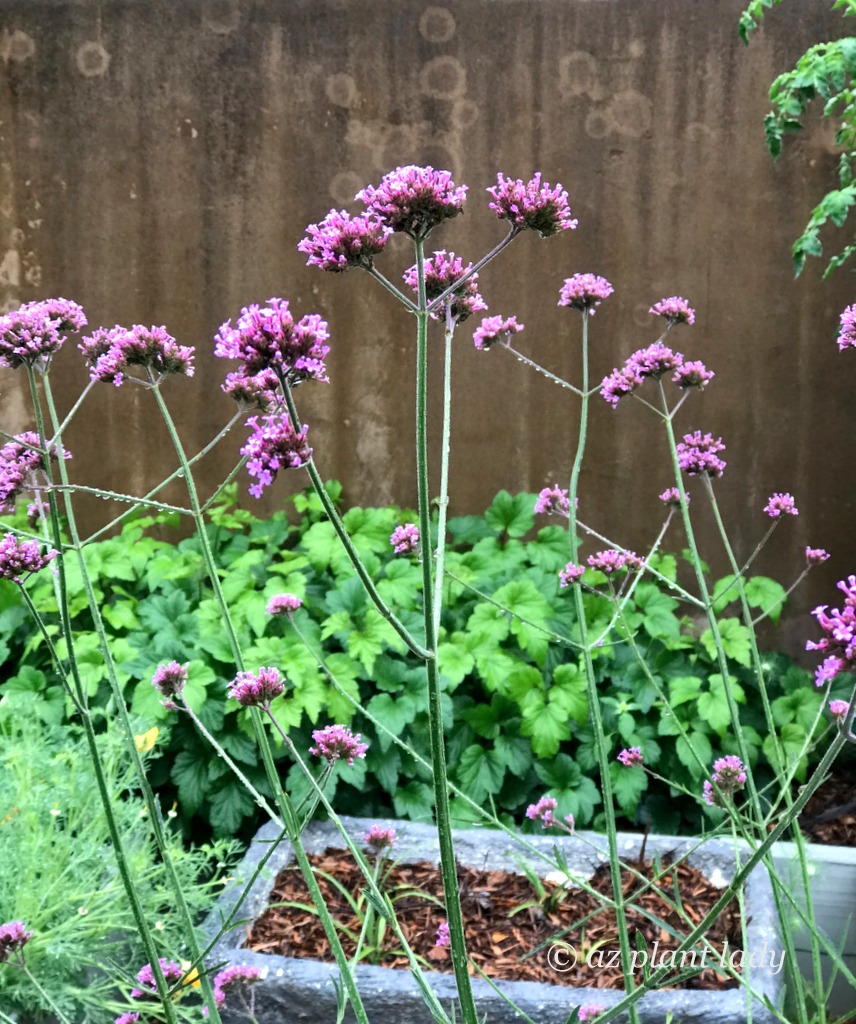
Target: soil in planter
(830, 815)
(498, 942)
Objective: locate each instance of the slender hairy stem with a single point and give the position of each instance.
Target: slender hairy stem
(476, 267)
(390, 287)
(537, 366)
(59, 430)
(443, 503)
(435, 715)
(347, 543)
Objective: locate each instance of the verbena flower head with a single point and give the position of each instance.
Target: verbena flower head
(631, 757)
(20, 463)
(572, 573)
(237, 976)
(145, 976)
(255, 391)
(729, 775)
(493, 329)
(13, 937)
(847, 332)
(672, 496)
(584, 292)
(170, 680)
(839, 708)
(674, 309)
(335, 742)
(839, 627)
(543, 811)
(816, 556)
(341, 241)
(283, 604)
(589, 1012)
(553, 501)
(110, 351)
(828, 670)
(267, 338)
(29, 336)
(698, 454)
(442, 270)
(693, 374)
(443, 938)
(653, 362)
(379, 838)
(414, 199)
(405, 539)
(273, 445)
(19, 558)
(127, 1018)
(610, 561)
(532, 205)
(779, 505)
(257, 691)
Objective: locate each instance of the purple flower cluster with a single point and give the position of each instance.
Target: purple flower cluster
(237, 976)
(145, 976)
(672, 497)
(335, 742)
(674, 309)
(847, 332)
(612, 560)
(256, 691)
(283, 604)
(816, 556)
(589, 1012)
(170, 680)
(258, 391)
(379, 838)
(273, 445)
(443, 939)
(30, 335)
(699, 454)
(414, 199)
(110, 351)
(553, 501)
(532, 205)
(13, 937)
(543, 811)
(341, 241)
(405, 539)
(267, 338)
(653, 362)
(584, 292)
(572, 573)
(19, 558)
(127, 1018)
(631, 757)
(20, 459)
(839, 641)
(442, 270)
(839, 708)
(779, 505)
(493, 329)
(729, 775)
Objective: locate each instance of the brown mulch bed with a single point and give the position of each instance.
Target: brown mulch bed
(830, 816)
(497, 942)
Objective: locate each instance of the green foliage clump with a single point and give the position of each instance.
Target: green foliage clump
(58, 874)
(514, 693)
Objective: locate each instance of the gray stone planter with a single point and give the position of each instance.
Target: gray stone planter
(833, 889)
(302, 991)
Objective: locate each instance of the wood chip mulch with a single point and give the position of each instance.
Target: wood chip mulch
(830, 816)
(497, 940)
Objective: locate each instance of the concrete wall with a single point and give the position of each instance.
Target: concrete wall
(159, 162)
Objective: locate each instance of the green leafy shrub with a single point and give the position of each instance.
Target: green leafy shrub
(514, 696)
(58, 874)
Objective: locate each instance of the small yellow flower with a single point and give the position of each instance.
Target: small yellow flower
(191, 977)
(146, 740)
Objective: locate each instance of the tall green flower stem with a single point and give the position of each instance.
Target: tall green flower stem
(443, 501)
(595, 717)
(347, 543)
(82, 702)
(287, 812)
(761, 852)
(442, 811)
(778, 759)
